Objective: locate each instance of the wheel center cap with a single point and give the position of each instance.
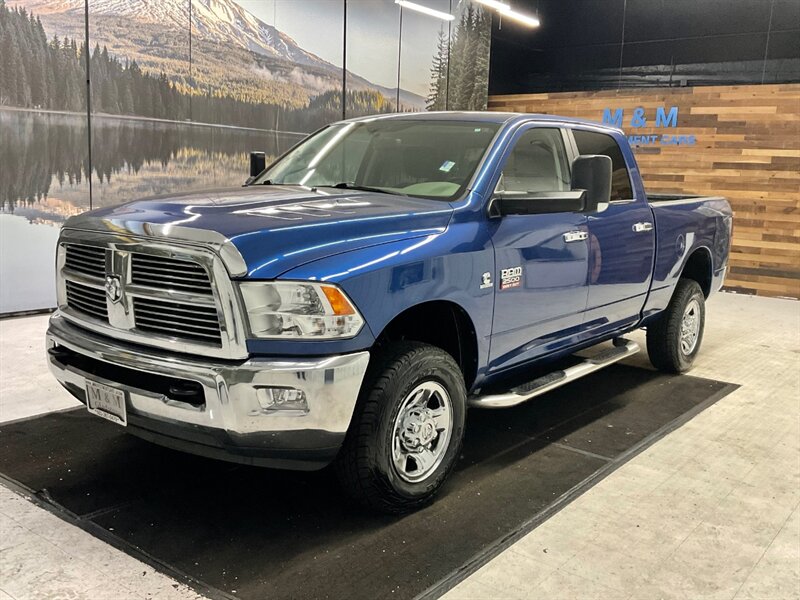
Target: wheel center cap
(419, 429)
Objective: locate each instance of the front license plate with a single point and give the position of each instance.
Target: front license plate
(106, 401)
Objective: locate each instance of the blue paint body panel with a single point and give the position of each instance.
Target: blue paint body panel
(684, 227)
(276, 228)
(390, 253)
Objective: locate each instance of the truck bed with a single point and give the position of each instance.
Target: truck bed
(684, 224)
(671, 198)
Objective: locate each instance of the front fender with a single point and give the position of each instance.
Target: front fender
(383, 281)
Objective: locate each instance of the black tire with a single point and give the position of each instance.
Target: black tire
(365, 467)
(664, 344)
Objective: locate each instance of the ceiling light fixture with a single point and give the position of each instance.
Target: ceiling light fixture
(519, 17)
(505, 11)
(425, 10)
(501, 6)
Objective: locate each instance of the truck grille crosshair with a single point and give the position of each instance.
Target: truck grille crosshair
(169, 296)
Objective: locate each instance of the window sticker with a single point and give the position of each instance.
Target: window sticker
(447, 165)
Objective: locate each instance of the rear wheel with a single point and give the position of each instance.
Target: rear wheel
(674, 339)
(407, 429)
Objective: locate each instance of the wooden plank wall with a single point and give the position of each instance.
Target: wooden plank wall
(748, 149)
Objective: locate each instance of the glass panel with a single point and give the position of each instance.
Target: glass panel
(415, 157)
(468, 82)
(142, 139)
(538, 163)
(43, 154)
(274, 64)
(182, 90)
(372, 46)
(423, 58)
(195, 100)
(589, 142)
(140, 59)
(137, 158)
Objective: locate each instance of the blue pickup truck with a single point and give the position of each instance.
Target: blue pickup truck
(352, 300)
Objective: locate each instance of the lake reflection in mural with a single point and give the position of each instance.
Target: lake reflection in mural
(44, 163)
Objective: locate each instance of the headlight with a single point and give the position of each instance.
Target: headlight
(299, 309)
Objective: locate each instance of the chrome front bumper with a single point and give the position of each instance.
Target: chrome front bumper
(232, 423)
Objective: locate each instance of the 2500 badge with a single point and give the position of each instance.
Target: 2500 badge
(510, 278)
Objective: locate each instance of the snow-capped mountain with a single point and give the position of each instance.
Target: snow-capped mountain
(154, 33)
(221, 21)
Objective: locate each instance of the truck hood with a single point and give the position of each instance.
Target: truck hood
(274, 228)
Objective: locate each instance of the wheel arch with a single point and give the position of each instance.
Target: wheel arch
(441, 323)
(700, 268)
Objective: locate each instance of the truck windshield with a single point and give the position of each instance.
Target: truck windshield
(413, 157)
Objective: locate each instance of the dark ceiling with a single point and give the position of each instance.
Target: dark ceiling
(609, 44)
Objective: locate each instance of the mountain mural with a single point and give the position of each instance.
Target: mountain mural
(221, 21)
(235, 55)
(163, 123)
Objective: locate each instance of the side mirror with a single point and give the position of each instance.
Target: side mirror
(592, 174)
(258, 162)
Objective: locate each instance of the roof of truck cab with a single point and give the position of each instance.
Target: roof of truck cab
(476, 116)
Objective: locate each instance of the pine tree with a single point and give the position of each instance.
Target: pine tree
(458, 63)
(437, 98)
(96, 77)
(109, 95)
(23, 97)
(16, 81)
(37, 71)
(480, 83)
(469, 69)
(8, 80)
(126, 98)
(83, 59)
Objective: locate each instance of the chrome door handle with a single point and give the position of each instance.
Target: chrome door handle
(642, 227)
(575, 236)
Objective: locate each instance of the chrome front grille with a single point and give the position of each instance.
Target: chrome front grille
(197, 323)
(89, 260)
(170, 273)
(157, 293)
(87, 296)
(88, 300)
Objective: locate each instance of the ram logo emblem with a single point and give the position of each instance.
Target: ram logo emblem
(113, 288)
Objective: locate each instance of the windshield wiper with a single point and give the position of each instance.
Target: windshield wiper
(344, 185)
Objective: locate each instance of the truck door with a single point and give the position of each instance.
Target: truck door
(541, 259)
(621, 244)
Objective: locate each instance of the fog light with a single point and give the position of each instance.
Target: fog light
(282, 398)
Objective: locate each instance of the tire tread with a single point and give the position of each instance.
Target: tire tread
(352, 465)
(662, 335)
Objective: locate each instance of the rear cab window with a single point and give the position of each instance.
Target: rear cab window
(592, 142)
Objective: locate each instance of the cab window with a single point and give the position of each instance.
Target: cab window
(591, 142)
(538, 163)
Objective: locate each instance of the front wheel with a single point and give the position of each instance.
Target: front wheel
(407, 430)
(674, 339)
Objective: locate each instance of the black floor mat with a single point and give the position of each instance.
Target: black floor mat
(255, 533)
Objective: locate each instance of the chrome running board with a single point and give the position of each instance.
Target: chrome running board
(622, 349)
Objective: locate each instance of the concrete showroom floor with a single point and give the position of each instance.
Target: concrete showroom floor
(709, 511)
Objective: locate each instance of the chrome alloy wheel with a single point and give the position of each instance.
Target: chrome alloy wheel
(422, 431)
(690, 327)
